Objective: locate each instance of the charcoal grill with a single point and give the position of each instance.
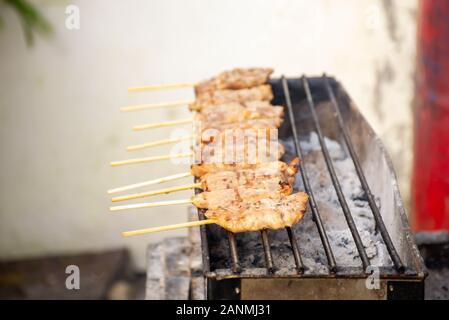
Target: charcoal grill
(320, 105)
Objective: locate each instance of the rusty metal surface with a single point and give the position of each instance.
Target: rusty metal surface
(311, 289)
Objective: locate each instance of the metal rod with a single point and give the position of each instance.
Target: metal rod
(267, 250)
(204, 243)
(341, 198)
(374, 208)
(305, 179)
(234, 254)
(295, 249)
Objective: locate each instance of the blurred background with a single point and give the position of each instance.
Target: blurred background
(61, 88)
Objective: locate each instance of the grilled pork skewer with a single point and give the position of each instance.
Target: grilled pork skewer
(266, 214)
(238, 78)
(260, 93)
(237, 85)
(218, 199)
(252, 179)
(205, 168)
(235, 112)
(277, 178)
(209, 136)
(263, 169)
(214, 154)
(258, 123)
(267, 184)
(246, 120)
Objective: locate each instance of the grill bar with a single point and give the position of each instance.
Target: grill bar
(376, 213)
(341, 198)
(305, 179)
(234, 254)
(204, 242)
(295, 249)
(267, 250)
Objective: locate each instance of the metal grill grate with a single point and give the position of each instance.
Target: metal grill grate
(334, 269)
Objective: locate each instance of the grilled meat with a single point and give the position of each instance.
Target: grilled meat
(200, 170)
(264, 123)
(238, 78)
(239, 152)
(267, 213)
(263, 178)
(259, 93)
(243, 133)
(237, 197)
(236, 112)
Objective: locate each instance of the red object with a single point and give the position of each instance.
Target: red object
(430, 185)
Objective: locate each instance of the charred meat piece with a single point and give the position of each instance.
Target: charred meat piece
(238, 78)
(263, 123)
(259, 93)
(200, 170)
(236, 112)
(245, 132)
(267, 213)
(235, 153)
(237, 197)
(268, 178)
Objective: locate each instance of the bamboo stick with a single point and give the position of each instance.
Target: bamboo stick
(158, 143)
(140, 107)
(151, 182)
(162, 86)
(169, 227)
(156, 192)
(150, 204)
(162, 124)
(151, 159)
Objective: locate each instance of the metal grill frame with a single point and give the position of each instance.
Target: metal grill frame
(231, 283)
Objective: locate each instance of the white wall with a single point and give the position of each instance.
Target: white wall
(59, 100)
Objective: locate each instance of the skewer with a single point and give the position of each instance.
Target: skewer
(151, 159)
(162, 124)
(151, 182)
(158, 143)
(156, 192)
(150, 204)
(162, 86)
(214, 181)
(139, 107)
(169, 227)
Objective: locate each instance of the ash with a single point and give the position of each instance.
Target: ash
(250, 249)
